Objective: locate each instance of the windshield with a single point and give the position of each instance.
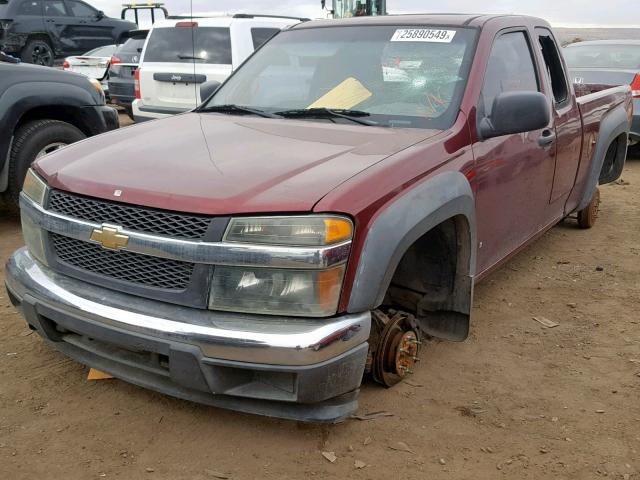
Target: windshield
(623, 57)
(400, 76)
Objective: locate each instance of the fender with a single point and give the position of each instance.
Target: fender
(445, 196)
(20, 98)
(614, 124)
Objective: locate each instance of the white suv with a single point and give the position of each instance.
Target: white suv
(182, 53)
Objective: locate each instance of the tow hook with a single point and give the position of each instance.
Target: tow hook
(394, 346)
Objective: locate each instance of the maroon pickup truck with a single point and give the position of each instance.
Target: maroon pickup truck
(322, 213)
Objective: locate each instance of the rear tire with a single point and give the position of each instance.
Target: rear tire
(588, 215)
(38, 52)
(32, 140)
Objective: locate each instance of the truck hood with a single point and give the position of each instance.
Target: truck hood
(218, 164)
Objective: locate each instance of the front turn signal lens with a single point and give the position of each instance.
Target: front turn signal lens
(337, 230)
(34, 187)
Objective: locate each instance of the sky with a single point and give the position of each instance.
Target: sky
(560, 13)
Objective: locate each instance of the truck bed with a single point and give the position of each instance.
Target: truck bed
(599, 105)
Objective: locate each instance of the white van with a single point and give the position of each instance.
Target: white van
(182, 53)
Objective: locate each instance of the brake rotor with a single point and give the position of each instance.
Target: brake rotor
(396, 349)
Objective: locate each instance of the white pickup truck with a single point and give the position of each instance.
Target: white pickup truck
(182, 53)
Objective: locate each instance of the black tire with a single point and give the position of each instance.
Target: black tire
(129, 110)
(30, 140)
(38, 52)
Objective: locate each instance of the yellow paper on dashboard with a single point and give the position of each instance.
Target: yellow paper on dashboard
(345, 96)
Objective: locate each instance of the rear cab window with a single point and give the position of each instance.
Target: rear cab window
(510, 68)
(209, 45)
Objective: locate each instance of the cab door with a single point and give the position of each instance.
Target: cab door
(89, 30)
(566, 119)
(514, 173)
(59, 24)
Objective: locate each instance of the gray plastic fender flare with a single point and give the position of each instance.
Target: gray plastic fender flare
(409, 217)
(614, 124)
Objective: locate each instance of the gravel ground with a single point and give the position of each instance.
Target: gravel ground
(515, 400)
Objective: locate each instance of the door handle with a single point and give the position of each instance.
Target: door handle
(50, 20)
(547, 138)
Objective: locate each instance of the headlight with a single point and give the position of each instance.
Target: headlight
(313, 293)
(301, 231)
(34, 187)
(282, 291)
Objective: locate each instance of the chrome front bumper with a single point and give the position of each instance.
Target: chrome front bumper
(258, 364)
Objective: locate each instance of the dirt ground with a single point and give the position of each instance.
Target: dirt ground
(515, 400)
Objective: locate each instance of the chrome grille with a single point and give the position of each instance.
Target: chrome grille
(133, 218)
(122, 265)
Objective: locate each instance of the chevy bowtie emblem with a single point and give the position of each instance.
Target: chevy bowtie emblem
(109, 237)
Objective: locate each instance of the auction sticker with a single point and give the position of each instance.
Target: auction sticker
(423, 35)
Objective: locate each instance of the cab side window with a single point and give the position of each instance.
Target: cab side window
(54, 8)
(553, 63)
(510, 69)
(30, 7)
(80, 9)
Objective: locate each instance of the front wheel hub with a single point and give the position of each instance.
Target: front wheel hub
(395, 345)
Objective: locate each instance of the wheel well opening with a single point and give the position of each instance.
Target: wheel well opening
(68, 114)
(614, 160)
(39, 36)
(433, 280)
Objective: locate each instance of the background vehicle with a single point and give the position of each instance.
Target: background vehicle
(122, 68)
(44, 109)
(93, 64)
(356, 8)
(334, 201)
(172, 67)
(608, 62)
(40, 30)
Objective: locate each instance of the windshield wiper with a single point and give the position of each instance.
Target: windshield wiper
(231, 108)
(329, 113)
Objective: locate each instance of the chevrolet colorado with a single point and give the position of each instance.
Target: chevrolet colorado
(328, 208)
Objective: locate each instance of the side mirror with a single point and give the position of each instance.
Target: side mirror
(100, 15)
(208, 88)
(516, 112)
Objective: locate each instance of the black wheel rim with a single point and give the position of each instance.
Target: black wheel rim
(41, 55)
